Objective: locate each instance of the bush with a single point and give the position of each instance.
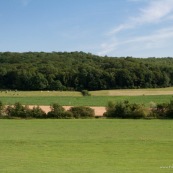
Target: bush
(18, 110)
(67, 115)
(169, 113)
(138, 111)
(160, 111)
(2, 110)
(37, 112)
(109, 109)
(118, 110)
(58, 111)
(163, 110)
(125, 110)
(82, 112)
(85, 93)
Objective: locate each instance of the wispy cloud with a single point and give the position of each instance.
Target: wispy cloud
(157, 36)
(155, 40)
(139, 0)
(25, 2)
(121, 28)
(108, 47)
(157, 11)
(154, 12)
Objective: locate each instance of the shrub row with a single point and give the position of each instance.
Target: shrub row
(114, 110)
(136, 111)
(163, 111)
(56, 111)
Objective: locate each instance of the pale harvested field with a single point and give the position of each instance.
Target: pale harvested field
(134, 92)
(10, 93)
(99, 111)
(116, 92)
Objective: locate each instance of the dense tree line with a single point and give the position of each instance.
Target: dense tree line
(81, 71)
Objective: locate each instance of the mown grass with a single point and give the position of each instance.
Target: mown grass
(87, 146)
(84, 101)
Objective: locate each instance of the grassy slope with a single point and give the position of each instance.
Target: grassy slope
(87, 146)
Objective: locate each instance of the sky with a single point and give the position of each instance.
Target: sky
(117, 28)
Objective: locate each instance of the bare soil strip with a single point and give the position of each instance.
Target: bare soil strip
(99, 111)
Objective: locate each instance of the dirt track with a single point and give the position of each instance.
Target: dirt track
(98, 110)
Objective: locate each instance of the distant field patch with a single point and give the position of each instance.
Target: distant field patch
(39, 93)
(134, 92)
(84, 101)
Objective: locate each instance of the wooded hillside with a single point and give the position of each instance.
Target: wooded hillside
(79, 71)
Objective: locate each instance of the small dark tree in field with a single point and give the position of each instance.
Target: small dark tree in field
(85, 93)
(82, 112)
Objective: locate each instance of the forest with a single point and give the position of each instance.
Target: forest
(81, 71)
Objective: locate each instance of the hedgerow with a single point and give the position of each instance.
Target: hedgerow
(56, 111)
(124, 110)
(136, 111)
(82, 112)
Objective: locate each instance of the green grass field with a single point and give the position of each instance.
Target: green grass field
(83, 101)
(86, 146)
(97, 98)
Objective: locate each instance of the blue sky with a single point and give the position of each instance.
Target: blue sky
(139, 28)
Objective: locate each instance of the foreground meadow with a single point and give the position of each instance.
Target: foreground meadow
(87, 146)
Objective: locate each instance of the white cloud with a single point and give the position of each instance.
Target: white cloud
(160, 35)
(154, 12)
(157, 11)
(121, 28)
(160, 40)
(108, 47)
(157, 39)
